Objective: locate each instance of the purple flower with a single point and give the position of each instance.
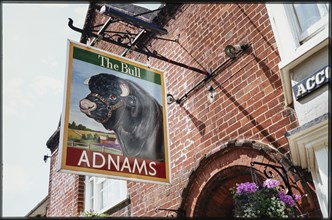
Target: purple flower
(270, 183)
(246, 187)
(296, 197)
(286, 198)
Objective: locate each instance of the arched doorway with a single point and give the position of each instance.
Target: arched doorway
(207, 193)
(215, 200)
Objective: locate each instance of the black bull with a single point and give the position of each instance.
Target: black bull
(132, 113)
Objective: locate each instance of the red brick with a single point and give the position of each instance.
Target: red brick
(249, 105)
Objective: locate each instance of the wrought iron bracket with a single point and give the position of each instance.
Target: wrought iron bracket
(227, 63)
(132, 20)
(179, 212)
(125, 41)
(280, 170)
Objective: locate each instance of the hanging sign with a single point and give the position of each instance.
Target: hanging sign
(114, 121)
(311, 83)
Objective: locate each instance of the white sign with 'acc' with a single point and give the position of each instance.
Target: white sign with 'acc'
(311, 83)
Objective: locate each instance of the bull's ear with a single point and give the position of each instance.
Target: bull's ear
(134, 105)
(130, 101)
(124, 89)
(86, 82)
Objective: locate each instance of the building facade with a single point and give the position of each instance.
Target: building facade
(229, 122)
(303, 36)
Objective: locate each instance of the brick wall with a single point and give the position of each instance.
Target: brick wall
(249, 104)
(66, 192)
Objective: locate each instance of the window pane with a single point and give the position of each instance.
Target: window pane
(105, 194)
(112, 192)
(91, 197)
(102, 193)
(309, 14)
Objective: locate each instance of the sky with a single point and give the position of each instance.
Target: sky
(34, 46)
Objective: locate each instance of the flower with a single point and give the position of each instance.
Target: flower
(286, 198)
(252, 201)
(246, 187)
(296, 197)
(271, 183)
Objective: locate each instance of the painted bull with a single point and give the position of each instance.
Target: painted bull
(133, 114)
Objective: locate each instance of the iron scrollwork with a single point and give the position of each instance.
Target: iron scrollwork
(122, 41)
(281, 172)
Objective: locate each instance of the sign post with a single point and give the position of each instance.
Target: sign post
(114, 121)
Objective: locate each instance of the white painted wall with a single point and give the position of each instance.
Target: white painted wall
(309, 147)
(320, 178)
(314, 104)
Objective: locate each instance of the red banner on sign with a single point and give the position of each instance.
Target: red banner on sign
(115, 163)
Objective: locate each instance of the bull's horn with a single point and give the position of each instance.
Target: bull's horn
(86, 82)
(124, 89)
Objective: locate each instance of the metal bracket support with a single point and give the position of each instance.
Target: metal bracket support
(153, 54)
(280, 170)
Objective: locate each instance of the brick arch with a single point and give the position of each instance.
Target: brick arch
(215, 199)
(207, 192)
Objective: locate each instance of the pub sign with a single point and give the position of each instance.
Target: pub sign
(114, 121)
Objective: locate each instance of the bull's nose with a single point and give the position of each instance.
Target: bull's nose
(87, 106)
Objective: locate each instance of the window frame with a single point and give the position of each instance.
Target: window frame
(305, 35)
(93, 193)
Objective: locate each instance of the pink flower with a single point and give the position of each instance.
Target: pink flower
(296, 197)
(246, 187)
(270, 183)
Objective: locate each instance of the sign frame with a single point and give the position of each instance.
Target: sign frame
(88, 156)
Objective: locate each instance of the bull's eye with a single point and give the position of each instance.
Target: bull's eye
(112, 97)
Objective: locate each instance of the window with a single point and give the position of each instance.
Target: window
(102, 194)
(300, 31)
(309, 19)
(298, 27)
